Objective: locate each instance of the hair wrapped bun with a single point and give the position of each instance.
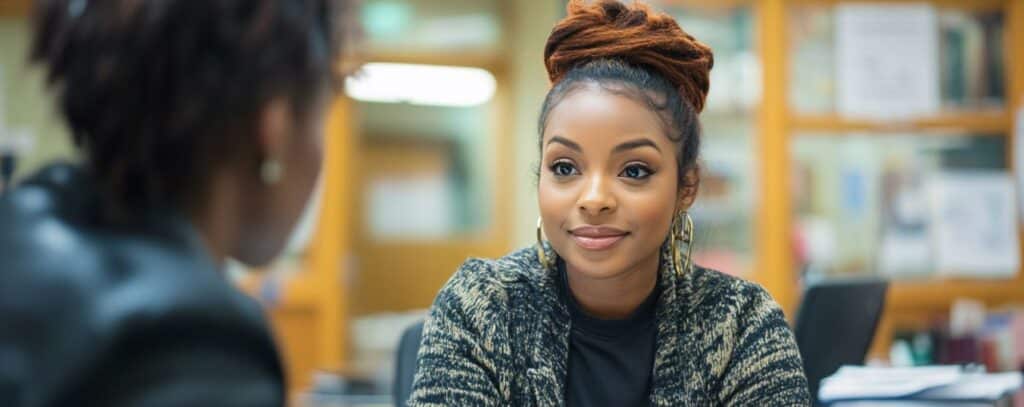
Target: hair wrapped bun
(609, 29)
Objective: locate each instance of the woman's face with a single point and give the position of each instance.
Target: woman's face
(275, 209)
(608, 184)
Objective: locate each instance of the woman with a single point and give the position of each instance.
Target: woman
(200, 127)
(610, 311)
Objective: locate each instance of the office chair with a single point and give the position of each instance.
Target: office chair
(405, 363)
(835, 326)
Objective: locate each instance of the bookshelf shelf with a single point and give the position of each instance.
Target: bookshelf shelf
(938, 295)
(973, 5)
(984, 122)
(914, 305)
(782, 122)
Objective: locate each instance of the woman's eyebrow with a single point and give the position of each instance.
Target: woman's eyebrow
(564, 141)
(634, 144)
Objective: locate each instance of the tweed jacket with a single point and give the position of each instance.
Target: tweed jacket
(498, 335)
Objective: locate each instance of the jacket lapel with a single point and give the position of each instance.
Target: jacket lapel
(674, 377)
(550, 351)
(676, 380)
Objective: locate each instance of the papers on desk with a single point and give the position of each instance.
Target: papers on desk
(917, 385)
(856, 382)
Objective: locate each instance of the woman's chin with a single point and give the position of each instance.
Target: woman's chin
(594, 267)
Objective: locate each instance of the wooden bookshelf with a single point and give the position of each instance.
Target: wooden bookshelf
(910, 304)
(916, 305)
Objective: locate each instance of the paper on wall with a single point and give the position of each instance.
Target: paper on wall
(974, 225)
(886, 61)
(417, 208)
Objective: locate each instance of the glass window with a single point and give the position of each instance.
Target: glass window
(421, 26)
(427, 176)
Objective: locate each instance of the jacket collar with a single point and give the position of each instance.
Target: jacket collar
(546, 375)
(550, 352)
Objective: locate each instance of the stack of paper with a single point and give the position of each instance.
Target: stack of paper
(916, 386)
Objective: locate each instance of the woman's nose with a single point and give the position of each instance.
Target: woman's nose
(596, 197)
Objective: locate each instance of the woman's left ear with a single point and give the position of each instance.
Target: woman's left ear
(684, 201)
(688, 192)
(274, 125)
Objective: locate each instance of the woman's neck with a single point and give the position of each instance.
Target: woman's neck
(616, 297)
(216, 218)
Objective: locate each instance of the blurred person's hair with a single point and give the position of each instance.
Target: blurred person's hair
(639, 53)
(158, 92)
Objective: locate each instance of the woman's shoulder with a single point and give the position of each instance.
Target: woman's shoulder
(740, 319)
(514, 271)
(718, 294)
(55, 240)
(75, 285)
(481, 283)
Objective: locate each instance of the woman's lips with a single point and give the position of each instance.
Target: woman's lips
(597, 237)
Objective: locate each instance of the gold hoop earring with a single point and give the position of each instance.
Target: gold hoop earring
(540, 246)
(682, 232)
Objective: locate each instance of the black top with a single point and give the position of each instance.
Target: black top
(132, 314)
(611, 362)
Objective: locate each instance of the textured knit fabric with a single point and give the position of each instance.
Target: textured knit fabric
(498, 335)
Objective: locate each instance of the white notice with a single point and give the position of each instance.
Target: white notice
(974, 224)
(886, 61)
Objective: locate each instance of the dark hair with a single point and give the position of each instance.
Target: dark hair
(157, 92)
(632, 51)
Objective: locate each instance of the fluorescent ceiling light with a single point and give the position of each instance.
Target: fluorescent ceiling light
(430, 85)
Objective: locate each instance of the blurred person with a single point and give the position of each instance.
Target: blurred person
(200, 124)
(610, 311)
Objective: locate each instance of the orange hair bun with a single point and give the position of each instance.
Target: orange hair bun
(609, 29)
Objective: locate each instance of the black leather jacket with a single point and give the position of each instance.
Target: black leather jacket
(97, 314)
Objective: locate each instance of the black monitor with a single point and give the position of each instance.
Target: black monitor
(836, 324)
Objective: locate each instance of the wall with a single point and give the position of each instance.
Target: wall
(24, 102)
(532, 22)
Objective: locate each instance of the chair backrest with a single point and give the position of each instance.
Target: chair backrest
(836, 324)
(405, 363)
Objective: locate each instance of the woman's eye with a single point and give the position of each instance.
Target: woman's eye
(636, 172)
(563, 169)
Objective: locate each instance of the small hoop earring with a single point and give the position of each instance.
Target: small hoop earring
(540, 246)
(682, 232)
(271, 171)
